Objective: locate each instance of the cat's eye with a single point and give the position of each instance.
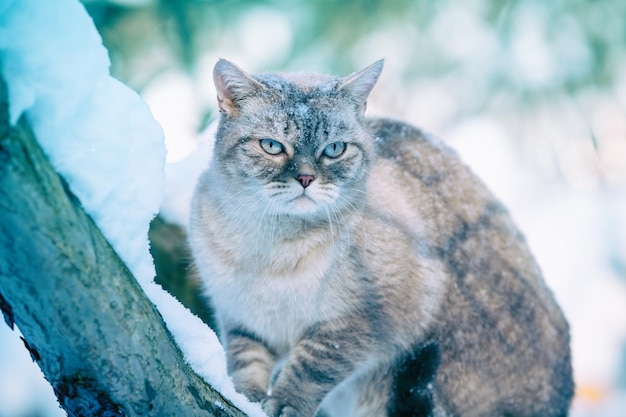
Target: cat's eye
(271, 146)
(335, 149)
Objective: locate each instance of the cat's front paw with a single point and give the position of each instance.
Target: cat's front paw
(273, 407)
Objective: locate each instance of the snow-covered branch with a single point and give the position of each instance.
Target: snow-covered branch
(100, 342)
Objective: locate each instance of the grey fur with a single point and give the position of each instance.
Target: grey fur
(393, 283)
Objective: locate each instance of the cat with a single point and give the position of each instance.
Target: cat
(358, 268)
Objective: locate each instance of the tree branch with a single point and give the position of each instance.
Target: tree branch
(86, 322)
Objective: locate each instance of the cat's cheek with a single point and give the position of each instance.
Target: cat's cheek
(342, 174)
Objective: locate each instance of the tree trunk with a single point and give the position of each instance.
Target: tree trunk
(99, 341)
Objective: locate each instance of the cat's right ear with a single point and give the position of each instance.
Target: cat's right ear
(360, 85)
(232, 84)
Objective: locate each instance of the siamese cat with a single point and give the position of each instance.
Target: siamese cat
(358, 268)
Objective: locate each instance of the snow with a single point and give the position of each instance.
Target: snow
(102, 138)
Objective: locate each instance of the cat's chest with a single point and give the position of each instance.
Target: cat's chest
(277, 310)
(280, 296)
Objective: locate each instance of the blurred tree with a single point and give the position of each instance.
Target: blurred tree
(584, 38)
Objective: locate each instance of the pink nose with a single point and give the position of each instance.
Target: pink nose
(305, 180)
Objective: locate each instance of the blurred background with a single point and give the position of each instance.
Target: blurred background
(531, 93)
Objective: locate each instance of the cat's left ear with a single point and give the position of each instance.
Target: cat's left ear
(359, 85)
(233, 85)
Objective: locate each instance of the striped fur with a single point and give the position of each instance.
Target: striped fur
(394, 284)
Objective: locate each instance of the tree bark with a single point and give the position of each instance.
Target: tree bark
(99, 341)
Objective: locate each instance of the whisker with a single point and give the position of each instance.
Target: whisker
(357, 213)
(233, 196)
(275, 216)
(234, 213)
(341, 219)
(330, 223)
(259, 235)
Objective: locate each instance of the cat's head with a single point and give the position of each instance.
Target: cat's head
(296, 141)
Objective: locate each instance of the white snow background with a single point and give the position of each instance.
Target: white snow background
(102, 138)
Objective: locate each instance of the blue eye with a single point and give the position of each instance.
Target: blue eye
(335, 149)
(271, 146)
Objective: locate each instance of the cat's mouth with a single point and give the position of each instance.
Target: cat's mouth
(298, 200)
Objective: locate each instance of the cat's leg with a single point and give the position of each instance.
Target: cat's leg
(250, 363)
(326, 355)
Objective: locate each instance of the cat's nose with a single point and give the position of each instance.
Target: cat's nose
(305, 180)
